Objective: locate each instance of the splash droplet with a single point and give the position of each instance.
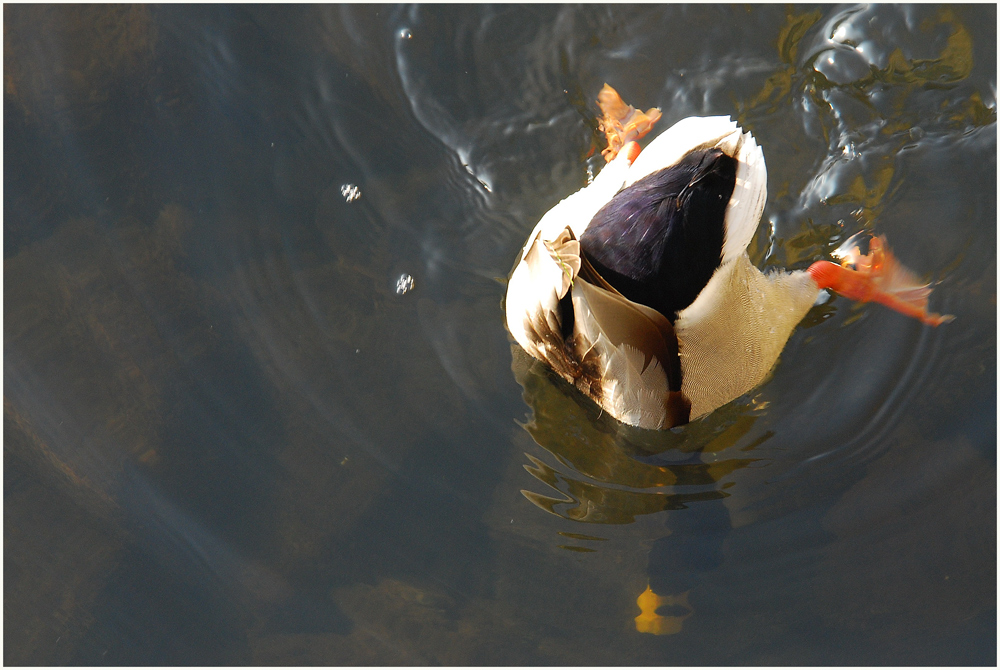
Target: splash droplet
(404, 284)
(350, 192)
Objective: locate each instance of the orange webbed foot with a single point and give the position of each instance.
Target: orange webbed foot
(878, 277)
(622, 123)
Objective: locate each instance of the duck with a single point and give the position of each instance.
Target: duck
(638, 290)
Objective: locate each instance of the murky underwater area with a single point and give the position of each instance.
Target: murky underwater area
(260, 405)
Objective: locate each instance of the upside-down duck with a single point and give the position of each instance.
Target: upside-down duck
(638, 289)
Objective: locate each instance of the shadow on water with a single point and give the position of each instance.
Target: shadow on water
(230, 438)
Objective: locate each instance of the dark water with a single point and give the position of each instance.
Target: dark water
(229, 439)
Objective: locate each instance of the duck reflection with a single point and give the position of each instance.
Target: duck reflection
(610, 473)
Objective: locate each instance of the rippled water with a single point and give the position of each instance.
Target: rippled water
(260, 405)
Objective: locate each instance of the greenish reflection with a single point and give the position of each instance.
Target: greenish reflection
(612, 473)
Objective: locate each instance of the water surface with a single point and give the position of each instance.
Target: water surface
(260, 406)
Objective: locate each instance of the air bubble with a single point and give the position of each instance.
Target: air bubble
(350, 192)
(404, 284)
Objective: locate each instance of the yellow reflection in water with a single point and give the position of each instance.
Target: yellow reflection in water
(651, 622)
(954, 62)
(779, 85)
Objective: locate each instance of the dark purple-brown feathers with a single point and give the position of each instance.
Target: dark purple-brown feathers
(659, 240)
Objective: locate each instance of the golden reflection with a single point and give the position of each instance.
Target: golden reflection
(868, 190)
(954, 63)
(581, 536)
(889, 87)
(649, 621)
(975, 112)
(779, 84)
